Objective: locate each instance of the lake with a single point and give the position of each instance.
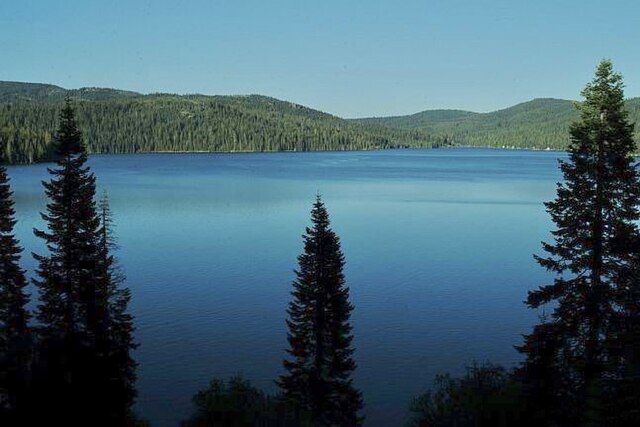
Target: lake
(438, 245)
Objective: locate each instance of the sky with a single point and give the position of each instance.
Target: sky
(352, 58)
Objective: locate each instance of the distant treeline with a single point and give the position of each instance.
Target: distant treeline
(540, 124)
(115, 121)
(125, 122)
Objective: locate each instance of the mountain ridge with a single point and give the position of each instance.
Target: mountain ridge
(120, 121)
(115, 121)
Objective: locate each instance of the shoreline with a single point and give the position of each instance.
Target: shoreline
(466, 147)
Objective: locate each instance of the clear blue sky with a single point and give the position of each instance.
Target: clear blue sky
(351, 58)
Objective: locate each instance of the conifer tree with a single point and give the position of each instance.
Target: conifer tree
(115, 341)
(318, 379)
(596, 207)
(15, 336)
(71, 313)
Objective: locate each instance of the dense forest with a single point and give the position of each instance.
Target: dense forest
(67, 360)
(540, 123)
(115, 121)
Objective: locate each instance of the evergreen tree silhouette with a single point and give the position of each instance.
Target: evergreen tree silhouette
(15, 336)
(115, 341)
(595, 208)
(83, 373)
(318, 380)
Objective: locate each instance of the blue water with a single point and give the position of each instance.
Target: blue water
(438, 245)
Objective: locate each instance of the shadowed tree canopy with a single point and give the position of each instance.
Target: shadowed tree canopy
(236, 403)
(485, 396)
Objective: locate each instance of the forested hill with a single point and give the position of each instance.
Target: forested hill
(115, 121)
(540, 123)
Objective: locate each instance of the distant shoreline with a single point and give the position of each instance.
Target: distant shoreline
(467, 147)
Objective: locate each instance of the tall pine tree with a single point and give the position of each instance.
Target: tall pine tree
(67, 283)
(84, 373)
(319, 373)
(15, 336)
(596, 207)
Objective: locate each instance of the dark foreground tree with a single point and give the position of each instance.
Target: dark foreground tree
(236, 403)
(485, 396)
(542, 380)
(319, 372)
(67, 283)
(623, 403)
(594, 212)
(81, 309)
(15, 337)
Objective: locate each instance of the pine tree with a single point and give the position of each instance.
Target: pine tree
(595, 208)
(69, 313)
(319, 373)
(15, 336)
(116, 333)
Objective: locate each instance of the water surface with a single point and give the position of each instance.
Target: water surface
(438, 246)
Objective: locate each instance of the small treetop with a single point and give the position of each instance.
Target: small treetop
(319, 214)
(605, 93)
(68, 137)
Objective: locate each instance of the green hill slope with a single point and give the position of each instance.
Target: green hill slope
(421, 119)
(540, 123)
(115, 121)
